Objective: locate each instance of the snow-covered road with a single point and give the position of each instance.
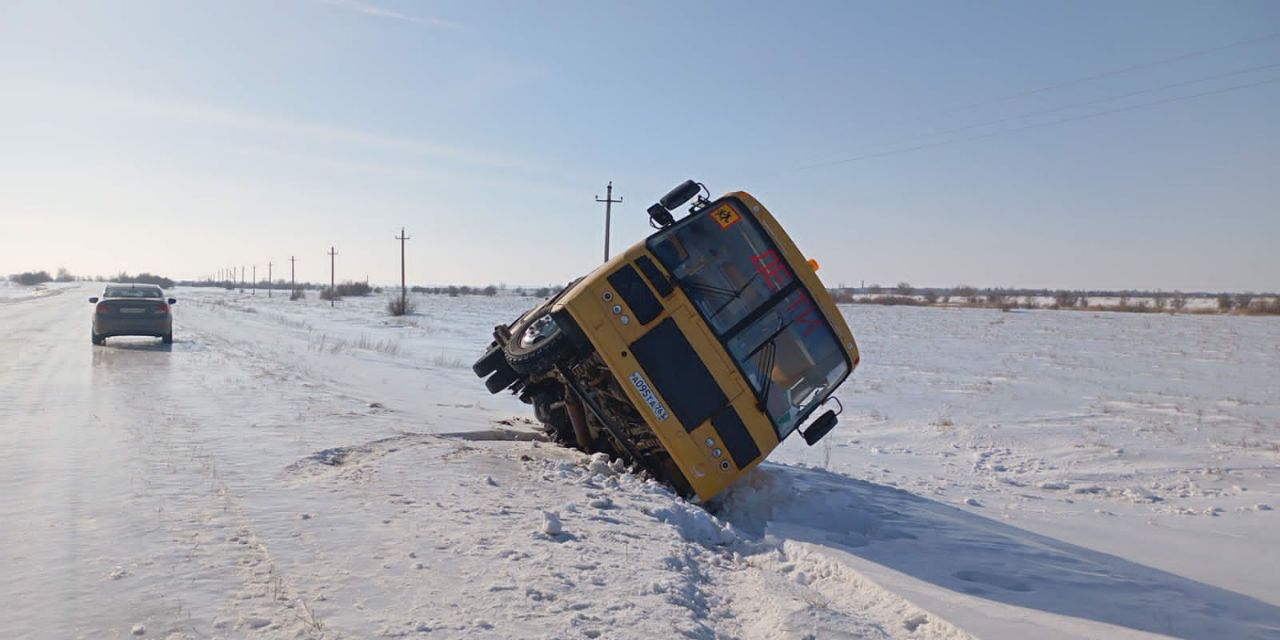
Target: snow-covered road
(289, 470)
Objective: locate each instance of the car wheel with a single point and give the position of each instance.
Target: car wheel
(97, 339)
(167, 338)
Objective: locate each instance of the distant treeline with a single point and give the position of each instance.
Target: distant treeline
(39, 277)
(454, 291)
(1137, 301)
(29, 278)
(364, 289)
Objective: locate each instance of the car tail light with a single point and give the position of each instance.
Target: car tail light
(103, 309)
(162, 308)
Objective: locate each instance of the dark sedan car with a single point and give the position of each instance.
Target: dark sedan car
(132, 310)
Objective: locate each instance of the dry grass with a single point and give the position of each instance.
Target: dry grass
(445, 362)
(325, 344)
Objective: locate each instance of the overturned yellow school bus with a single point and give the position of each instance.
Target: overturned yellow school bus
(692, 354)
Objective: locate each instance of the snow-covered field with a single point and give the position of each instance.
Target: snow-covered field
(288, 470)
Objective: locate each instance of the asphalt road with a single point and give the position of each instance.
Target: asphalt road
(119, 505)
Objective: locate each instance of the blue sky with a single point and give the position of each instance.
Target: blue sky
(183, 137)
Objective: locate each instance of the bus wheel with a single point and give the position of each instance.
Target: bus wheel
(489, 362)
(537, 343)
(501, 379)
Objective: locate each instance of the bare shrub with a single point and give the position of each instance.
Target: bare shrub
(930, 296)
(400, 306)
(328, 293)
(64, 275)
(298, 294)
(875, 288)
(354, 289)
(28, 278)
(1064, 298)
(1226, 302)
(905, 289)
(1263, 307)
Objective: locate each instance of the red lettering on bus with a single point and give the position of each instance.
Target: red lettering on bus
(770, 265)
(803, 313)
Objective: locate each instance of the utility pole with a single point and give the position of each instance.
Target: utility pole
(270, 285)
(293, 283)
(404, 292)
(333, 289)
(608, 213)
(241, 278)
(254, 284)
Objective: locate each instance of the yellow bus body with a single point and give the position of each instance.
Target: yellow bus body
(591, 303)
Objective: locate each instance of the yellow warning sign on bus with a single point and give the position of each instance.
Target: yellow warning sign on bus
(725, 216)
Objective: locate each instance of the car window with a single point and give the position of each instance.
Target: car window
(131, 292)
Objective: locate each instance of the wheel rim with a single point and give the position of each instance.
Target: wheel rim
(538, 331)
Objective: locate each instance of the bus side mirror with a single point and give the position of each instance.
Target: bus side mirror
(660, 212)
(680, 195)
(819, 428)
(660, 216)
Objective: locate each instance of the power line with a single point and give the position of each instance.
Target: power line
(1087, 116)
(1107, 99)
(1118, 71)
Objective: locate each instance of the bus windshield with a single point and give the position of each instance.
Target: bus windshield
(735, 276)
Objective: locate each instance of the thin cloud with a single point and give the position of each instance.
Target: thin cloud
(230, 118)
(373, 10)
(479, 181)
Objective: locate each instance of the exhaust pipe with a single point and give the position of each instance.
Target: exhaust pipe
(578, 417)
